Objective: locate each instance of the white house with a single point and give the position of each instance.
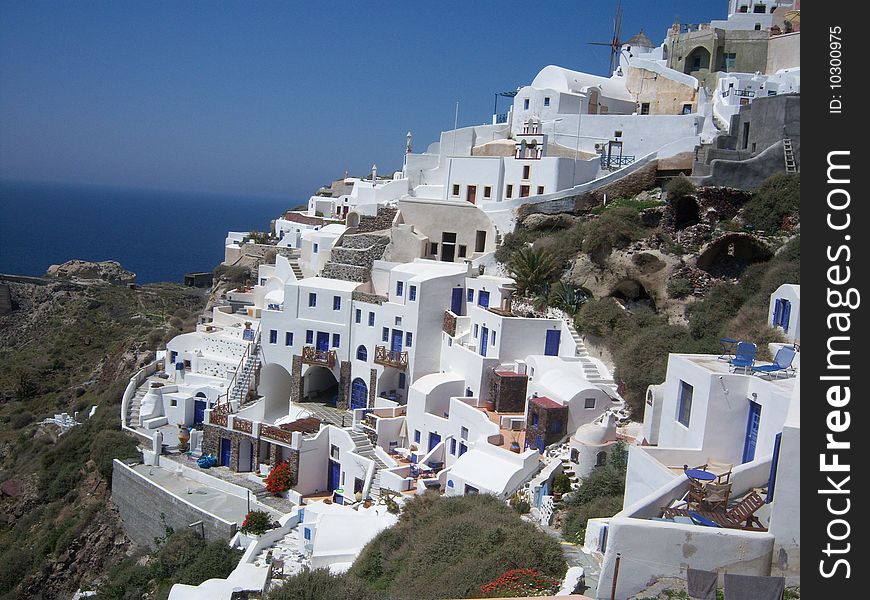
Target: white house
(785, 311)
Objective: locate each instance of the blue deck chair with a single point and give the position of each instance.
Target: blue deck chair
(781, 363)
(702, 520)
(744, 356)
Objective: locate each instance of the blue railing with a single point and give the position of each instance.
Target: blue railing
(616, 161)
(501, 118)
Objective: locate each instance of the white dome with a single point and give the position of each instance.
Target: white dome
(599, 432)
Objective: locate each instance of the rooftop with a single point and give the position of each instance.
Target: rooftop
(545, 402)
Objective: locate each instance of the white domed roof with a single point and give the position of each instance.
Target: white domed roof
(599, 432)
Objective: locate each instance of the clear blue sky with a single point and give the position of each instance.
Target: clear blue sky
(274, 98)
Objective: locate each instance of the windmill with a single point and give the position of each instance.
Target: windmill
(614, 43)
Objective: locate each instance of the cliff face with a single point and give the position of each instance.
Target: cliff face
(66, 346)
(107, 270)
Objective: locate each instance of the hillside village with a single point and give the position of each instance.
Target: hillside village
(499, 317)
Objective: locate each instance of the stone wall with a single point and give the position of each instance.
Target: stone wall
(508, 393)
(5, 299)
(141, 504)
(628, 186)
(546, 415)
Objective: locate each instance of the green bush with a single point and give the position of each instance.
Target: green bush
(320, 584)
(775, 199)
(680, 287)
(680, 187)
(109, 445)
(233, 274)
(561, 484)
(20, 420)
(602, 317)
(613, 230)
(574, 528)
(419, 558)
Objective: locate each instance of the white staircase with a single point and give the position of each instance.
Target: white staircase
(365, 448)
(242, 384)
(297, 270)
(578, 341)
(590, 367)
(135, 406)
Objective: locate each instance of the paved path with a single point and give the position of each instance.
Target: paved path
(575, 557)
(328, 414)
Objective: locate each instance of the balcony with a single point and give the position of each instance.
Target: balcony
(276, 433)
(313, 356)
(387, 358)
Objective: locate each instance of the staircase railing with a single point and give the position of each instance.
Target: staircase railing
(224, 399)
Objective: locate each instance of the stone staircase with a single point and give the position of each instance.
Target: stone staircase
(580, 349)
(135, 406)
(590, 368)
(353, 259)
(365, 448)
(788, 153)
(297, 270)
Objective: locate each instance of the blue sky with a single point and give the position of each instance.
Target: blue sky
(269, 98)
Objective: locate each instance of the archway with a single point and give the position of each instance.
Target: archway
(319, 385)
(601, 459)
(632, 294)
(697, 59)
(730, 255)
(359, 394)
(246, 456)
(276, 387)
(686, 212)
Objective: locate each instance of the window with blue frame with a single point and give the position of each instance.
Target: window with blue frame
(336, 340)
(312, 299)
(462, 449)
(453, 447)
(316, 248)
(476, 330)
(463, 433)
(412, 292)
(402, 381)
(408, 339)
(309, 336)
(400, 288)
(307, 533)
(371, 319)
(417, 435)
(358, 316)
(273, 336)
(362, 353)
(336, 303)
(492, 338)
(684, 405)
(483, 299)
(288, 338)
(385, 334)
(556, 426)
(470, 295)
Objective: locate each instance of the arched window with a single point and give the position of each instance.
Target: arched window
(601, 459)
(362, 353)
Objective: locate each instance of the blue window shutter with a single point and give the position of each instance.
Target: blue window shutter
(399, 288)
(273, 336)
(786, 314)
(385, 336)
(358, 315)
(336, 303)
(371, 319)
(288, 338)
(777, 312)
(309, 336)
(336, 340)
(312, 299)
(470, 295)
(774, 464)
(408, 339)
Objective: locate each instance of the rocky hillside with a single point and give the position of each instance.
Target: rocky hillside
(67, 346)
(665, 270)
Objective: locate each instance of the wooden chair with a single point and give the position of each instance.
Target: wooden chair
(716, 496)
(743, 513)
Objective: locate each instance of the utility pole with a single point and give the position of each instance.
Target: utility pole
(615, 576)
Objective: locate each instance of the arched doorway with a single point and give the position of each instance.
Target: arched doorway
(686, 212)
(731, 254)
(275, 385)
(359, 394)
(319, 385)
(697, 59)
(200, 403)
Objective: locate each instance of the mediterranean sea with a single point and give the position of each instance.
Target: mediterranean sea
(159, 235)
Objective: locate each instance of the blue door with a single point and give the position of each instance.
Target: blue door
(456, 301)
(539, 443)
(483, 299)
(199, 410)
(751, 431)
(786, 315)
(333, 476)
(359, 394)
(484, 340)
(225, 452)
(434, 440)
(551, 346)
(322, 341)
(396, 344)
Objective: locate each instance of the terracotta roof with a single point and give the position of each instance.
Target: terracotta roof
(509, 374)
(545, 402)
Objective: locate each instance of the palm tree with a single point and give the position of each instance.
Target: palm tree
(532, 269)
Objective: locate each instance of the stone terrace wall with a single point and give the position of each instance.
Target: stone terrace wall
(141, 503)
(628, 186)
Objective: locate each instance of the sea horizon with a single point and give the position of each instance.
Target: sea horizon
(158, 234)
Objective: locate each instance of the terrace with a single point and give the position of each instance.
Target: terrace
(390, 358)
(313, 356)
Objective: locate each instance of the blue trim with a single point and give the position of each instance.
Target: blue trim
(774, 464)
